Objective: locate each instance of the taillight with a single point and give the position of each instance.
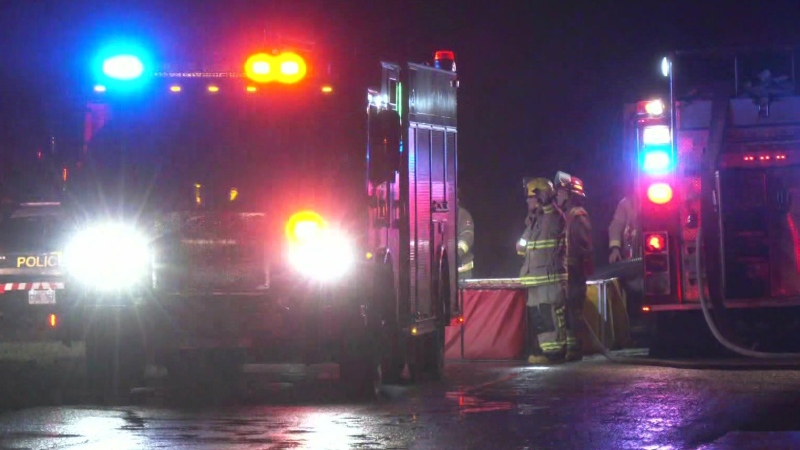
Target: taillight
(656, 263)
(655, 243)
(659, 193)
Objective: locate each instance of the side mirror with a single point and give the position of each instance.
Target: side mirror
(384, 145)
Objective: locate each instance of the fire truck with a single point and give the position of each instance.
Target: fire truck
(228, 215)
(716, 172)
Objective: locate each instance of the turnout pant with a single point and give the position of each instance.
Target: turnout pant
(546, 332)
(576, 298)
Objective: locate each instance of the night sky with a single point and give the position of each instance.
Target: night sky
(542, 83)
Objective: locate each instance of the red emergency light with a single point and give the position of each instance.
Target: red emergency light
(652, 108)
(655, 243)
(287, 68)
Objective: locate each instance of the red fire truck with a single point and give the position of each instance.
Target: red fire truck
(223, 219)
(718, 155)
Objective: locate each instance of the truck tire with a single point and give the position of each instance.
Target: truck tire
(428, 357)
(361, 359)
(362, 379)
(204, 375)
(115, 360)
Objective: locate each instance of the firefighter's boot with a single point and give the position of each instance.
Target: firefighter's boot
(574, 352)
(539, 360)
(573, 355)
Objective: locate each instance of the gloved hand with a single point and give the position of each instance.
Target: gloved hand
(615, 256)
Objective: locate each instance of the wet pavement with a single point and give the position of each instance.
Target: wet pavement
(481, 405)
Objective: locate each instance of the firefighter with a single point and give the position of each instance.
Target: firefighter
(623, 232)
(544, 273)
(570, 197)
(466, 239)
(625, 243)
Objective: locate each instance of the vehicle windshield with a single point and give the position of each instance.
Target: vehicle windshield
(24, 231)
(736, 74)
(279, 148)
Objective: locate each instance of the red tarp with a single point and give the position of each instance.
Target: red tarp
(493, 328)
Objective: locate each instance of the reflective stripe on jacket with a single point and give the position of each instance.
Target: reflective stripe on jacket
(545, 249)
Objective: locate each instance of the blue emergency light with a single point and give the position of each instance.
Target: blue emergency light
(121, 66)
(656, 149)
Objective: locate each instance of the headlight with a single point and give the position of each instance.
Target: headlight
(108, 257)
(317, 251)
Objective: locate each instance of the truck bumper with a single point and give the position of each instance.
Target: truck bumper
(35, 312)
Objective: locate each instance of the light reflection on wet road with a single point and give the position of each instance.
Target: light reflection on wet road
(589, 405)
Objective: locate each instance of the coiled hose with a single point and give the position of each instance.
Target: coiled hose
(765, 359)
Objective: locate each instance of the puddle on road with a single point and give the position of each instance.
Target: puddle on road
(469, 404)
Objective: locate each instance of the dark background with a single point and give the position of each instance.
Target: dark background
(542, 83)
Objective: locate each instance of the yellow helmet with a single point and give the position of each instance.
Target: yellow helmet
(536, 186)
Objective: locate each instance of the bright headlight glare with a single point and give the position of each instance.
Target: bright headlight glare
(326, 258)
(108, 257)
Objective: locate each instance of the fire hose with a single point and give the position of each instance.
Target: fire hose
(773, 360)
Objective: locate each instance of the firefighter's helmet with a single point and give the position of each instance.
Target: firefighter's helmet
(539, 186)
(573, 184)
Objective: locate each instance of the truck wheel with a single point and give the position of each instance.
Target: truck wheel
(428, 360)
(115, 359)
(436, 361)
(362, 379)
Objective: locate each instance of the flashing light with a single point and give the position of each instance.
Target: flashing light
(654, 107)
(656, 135)
(655, 243)
(666, 66)
(86, 257)
(99, 88)
(53, 319)
(317, 251)
(303, 226)
(291, 68)
(123, 67)
(233, 194)
(444, 54)
(326, 89)
(651, 108)
(261, 68)
(645, 309)
(175, 88)
(251, 89)
(656, 161)
(213, 88)
(64, 173)
(659, 193)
